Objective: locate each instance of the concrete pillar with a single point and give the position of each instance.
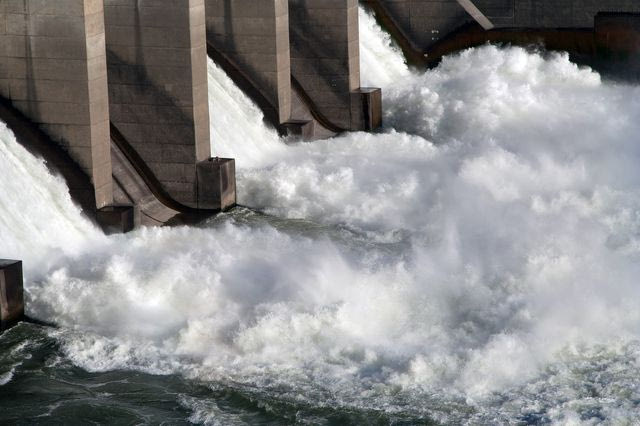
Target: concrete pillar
(53, 70)
(116, 219)
(325, 56)
(254, 34)
(217, 184)
(11, 292)
(158, 94)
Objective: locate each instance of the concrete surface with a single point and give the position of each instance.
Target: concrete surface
(216, 184)
(53, 70)
(158, 99)
(255, 35)
(11, 293)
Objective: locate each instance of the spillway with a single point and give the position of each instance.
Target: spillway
(475, 262)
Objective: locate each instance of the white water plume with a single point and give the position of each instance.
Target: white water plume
(237, 127)
(477, 261)
(38, 222)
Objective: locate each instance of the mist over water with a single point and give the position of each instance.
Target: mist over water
(476, 261)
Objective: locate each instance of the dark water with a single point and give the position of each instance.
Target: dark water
(46, 388)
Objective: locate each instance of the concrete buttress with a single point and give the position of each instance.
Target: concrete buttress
(53, 70)
(158, 93)
(254, 34)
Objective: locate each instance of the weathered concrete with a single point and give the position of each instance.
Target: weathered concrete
(428, 22)
(116, 219)
(158, 99)
(325, 56)
(11, 293)
(216, 184)
(53, 70)
(617, 38)
(130, 188)
(254, 34)
(551, 13)
(425, 22)
(366, 105)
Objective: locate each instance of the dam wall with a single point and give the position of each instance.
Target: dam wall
(426, 23)
(298, 60)
(53, 70)
(551, 13)
(158, 93)
(325, 57)
(254, 34)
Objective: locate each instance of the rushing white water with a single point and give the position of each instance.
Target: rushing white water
(381, 61)
(477, 261)
(37, 220)
(237, 128)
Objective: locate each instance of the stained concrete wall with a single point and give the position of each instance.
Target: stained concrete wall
(425, 22)
(551, 13)
(254, 34)
(158, 95)
(53, 69)
(325, 56)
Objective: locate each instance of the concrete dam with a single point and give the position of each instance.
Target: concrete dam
(116, 89)
(121, 88)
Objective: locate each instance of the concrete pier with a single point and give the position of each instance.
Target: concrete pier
(53, 70)
(325, 57)
(254, 34)
(120, 86)
(11, 293)
(158, 94)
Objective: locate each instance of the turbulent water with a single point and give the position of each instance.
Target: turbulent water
(475, 262)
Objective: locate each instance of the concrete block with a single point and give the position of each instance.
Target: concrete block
(216, 183)
(366, 112)
(116, 219)
(11, 293)
(303, 129)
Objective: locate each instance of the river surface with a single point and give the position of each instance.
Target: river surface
(475, 262)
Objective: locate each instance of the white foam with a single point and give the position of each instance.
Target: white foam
(381, 61)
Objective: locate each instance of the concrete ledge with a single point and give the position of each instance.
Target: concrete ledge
(11, 293)
(216, 183)
(304, 129)
(116, 219)
(366, 108)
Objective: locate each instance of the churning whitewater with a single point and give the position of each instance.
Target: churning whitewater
(477, 261)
